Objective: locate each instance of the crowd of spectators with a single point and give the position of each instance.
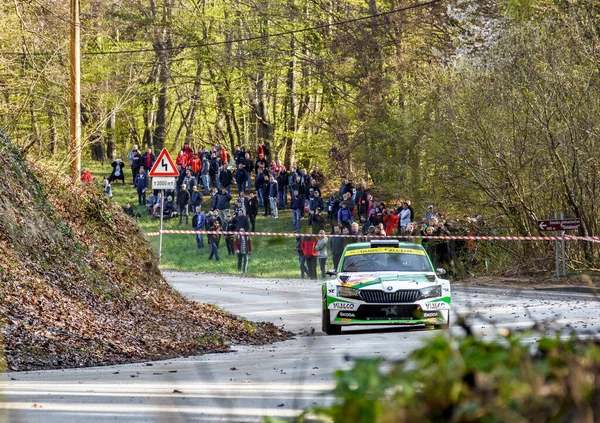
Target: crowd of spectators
(263, 185)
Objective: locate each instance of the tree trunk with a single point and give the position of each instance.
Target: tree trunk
(111, 124)
(289, 105)
(53, 141)
(97, 147)
(191, 114)
(164, 78)
(163, 44)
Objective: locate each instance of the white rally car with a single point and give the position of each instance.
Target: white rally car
(385, 282)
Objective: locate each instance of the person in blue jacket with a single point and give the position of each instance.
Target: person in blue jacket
(141, 184)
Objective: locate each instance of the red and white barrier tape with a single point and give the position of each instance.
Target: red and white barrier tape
(444, 237)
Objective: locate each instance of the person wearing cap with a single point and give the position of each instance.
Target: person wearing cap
(430, 212)
(170, 209)
(243, 248)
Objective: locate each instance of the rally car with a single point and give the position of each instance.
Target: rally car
(385, 282)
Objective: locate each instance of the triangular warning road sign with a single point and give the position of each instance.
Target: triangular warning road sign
(164, 165)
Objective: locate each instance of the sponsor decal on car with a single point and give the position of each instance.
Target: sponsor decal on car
(346, 314)
(435, 305)
(430, 314)
(385, 250)
(344, 306)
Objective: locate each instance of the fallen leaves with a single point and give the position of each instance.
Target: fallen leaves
(83, 288)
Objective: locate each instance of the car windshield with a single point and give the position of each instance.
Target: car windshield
(387, 262)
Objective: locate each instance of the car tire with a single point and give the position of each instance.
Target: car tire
(327, 327)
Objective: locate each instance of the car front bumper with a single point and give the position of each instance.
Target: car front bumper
(434, 311)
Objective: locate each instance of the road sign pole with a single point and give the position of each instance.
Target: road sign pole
(564, 254)
(160, 233)
(555, 249)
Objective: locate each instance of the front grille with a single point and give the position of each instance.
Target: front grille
(395, 312)
(382, 297)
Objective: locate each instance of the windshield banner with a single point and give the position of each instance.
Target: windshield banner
(385, 250)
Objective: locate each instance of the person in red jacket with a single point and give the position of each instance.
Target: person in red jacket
(148, 160)
(223, 155)
(86, 176)
(308, 245)
(242, 248)
(196, 165)
(188, 152)
(181, 160)
(391, 219)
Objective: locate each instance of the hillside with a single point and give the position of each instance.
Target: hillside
(80, 285)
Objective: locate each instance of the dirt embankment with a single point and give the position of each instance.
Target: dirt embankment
(80, 286)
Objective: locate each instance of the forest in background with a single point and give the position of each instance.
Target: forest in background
(482, 107)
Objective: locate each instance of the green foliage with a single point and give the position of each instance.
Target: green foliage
(471, 379)
(487, 107)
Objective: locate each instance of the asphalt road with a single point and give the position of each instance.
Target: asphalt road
(276, 380)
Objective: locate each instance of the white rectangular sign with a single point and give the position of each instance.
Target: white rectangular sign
(163, 182)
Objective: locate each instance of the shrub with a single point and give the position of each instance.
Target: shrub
(470, 379)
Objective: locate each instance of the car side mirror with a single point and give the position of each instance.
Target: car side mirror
(440, 271)
(331, 272)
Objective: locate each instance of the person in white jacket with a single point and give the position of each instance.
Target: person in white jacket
(404, 217)
(321, 248)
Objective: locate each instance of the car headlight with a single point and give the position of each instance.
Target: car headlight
(431, 292)
(344, 291)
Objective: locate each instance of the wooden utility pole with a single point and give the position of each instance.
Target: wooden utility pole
(75, 104)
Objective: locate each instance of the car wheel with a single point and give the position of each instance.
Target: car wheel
(327, 327)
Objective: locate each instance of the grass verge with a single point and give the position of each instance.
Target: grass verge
(272, 257)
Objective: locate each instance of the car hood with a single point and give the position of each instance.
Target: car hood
(395, 279)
